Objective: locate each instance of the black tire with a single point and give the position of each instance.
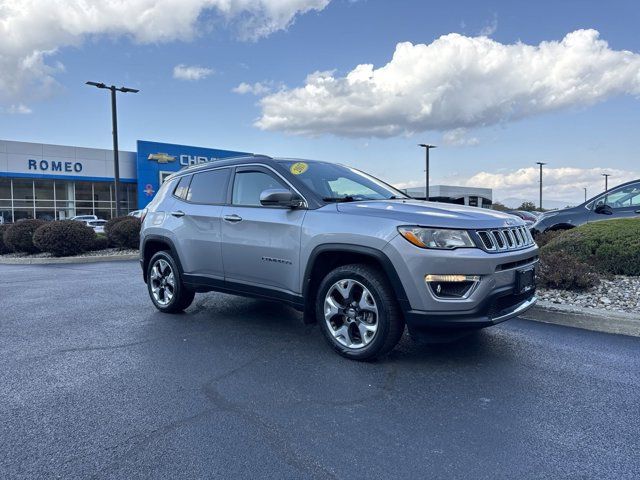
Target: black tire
(181, 297)
(390, 322)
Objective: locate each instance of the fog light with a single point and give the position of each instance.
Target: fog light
(451, 278)
(451, 286)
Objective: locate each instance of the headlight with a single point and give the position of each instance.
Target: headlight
(438, 238)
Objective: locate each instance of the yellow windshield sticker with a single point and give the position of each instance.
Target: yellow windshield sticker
(298, 168)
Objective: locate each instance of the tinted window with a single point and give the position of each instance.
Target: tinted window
(182, 187)
(248, 186)
(209, 187)
(625, 197)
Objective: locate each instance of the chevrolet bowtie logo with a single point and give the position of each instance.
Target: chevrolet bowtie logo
(161, 157)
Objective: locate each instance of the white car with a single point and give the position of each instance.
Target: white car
(84, 218)
(97, 225)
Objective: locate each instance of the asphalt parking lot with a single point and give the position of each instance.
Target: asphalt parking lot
(94, 383)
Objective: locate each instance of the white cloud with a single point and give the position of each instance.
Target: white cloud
(32, 31)
(458, 138)
(455, 82)
(258, 88)
(194, 72)
(560, 184)
(19, 109)
(491, 27)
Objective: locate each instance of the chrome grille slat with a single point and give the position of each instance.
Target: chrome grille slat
(505, 239)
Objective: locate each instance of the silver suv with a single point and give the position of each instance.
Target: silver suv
(353, 253)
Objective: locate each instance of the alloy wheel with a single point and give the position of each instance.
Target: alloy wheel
(351, 313)
(162, 282)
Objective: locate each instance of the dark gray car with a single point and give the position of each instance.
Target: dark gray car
(353, 253)
(622, 201)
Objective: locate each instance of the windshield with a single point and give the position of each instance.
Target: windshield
(337, 183)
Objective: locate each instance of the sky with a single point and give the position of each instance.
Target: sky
(496, 85)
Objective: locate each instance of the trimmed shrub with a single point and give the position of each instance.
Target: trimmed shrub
(3, 248)
(113, 222)
(610, 246)
(64, 238)
(543, 238)
(560, 270)
(125, 233)
(100, 243)
(19, 236)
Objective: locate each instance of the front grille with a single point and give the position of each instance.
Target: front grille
(505, 239)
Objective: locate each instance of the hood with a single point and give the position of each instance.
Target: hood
(431, 214)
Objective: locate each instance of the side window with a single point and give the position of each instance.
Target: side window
(247, 187)
(209, 187)
(625, 197)
(182, 187)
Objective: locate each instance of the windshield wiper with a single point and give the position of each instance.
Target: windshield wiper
(346, 198)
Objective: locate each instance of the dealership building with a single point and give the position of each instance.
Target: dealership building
(56, 182)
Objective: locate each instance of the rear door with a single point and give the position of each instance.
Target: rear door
(200, 199)
(260, 245)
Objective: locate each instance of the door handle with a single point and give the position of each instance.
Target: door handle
(638, 211)
(178, 213)
(232, 218)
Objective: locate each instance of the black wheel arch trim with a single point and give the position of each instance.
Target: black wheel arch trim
(378, 255)
(160, 239)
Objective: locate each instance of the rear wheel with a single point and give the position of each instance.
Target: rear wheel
(165, 286)
(358, 313)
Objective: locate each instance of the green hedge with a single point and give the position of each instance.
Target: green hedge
(610, 246)
(3, 247)
(64, 238)
(125, 233)
(19, 236)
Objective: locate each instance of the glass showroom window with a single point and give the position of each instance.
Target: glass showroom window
(23, 199)
(44, 199)
(102, 199)
(64, 199)
(6, 211)
(84, 198)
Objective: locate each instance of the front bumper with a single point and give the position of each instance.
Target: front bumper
(500, 306)
(491, 301)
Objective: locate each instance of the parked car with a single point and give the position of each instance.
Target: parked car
(622, 201)
(353, 253)
(97, 225)
(84, 218)
(136, 213)
(528, 217)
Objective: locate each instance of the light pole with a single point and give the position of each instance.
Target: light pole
(114, 121)
(541, 164)
(606, 181)
(585, 193)
(427, 147)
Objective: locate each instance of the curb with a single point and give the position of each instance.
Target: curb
(63, 260)
(595, 319)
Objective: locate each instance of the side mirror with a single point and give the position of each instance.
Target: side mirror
(280, 197)
(604, 209)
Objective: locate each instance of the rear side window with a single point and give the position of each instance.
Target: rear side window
(182, 188)
(209, 187)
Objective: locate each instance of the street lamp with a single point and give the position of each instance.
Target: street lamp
(426, 171)
(114, 120)
(606, 181)
(541, 164)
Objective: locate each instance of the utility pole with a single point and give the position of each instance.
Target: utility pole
(541, 164)
(606, 181)
(585, 193)
(427, 147)
(114, 123)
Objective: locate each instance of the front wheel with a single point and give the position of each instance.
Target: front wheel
(165, 286)
(358, 313)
